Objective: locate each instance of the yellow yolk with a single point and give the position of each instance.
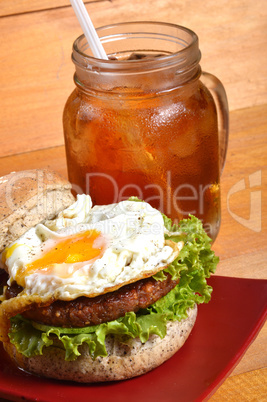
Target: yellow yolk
(8, 252)
(76, 248)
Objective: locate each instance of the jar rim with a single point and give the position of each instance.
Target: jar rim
(188, 54)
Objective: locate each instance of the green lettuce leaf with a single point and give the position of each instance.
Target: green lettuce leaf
(194, 264)
(30, 341)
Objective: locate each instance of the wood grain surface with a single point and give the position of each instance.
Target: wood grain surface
(12, 7)
(36, 69)
(36, 79)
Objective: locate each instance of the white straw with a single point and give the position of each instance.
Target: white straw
(88, 29)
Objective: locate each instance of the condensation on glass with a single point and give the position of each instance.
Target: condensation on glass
(147, 122)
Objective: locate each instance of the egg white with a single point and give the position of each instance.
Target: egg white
(133, 234)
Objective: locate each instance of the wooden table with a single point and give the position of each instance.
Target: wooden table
(36, 78)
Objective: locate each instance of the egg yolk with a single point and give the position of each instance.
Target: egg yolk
(76, 248)
(8, 252)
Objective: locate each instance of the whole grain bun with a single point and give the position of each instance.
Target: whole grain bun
(123, 361)
(27, 198)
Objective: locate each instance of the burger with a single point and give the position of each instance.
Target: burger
(95, 293)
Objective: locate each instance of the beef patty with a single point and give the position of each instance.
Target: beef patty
(85, 311)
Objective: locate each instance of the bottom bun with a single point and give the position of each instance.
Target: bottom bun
(123, 361)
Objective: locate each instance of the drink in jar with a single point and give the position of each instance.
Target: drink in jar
(145, 127)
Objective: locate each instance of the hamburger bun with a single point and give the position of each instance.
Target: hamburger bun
(27, 198)
(34, 196)
(124, 360)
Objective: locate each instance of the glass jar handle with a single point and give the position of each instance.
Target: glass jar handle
(219, 95)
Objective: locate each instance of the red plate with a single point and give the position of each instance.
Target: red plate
(224, 329)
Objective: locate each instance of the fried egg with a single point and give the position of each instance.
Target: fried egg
(90, 250)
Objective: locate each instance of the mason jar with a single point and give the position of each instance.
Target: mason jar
(147, 122)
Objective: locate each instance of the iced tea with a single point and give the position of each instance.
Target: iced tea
(160, 144)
